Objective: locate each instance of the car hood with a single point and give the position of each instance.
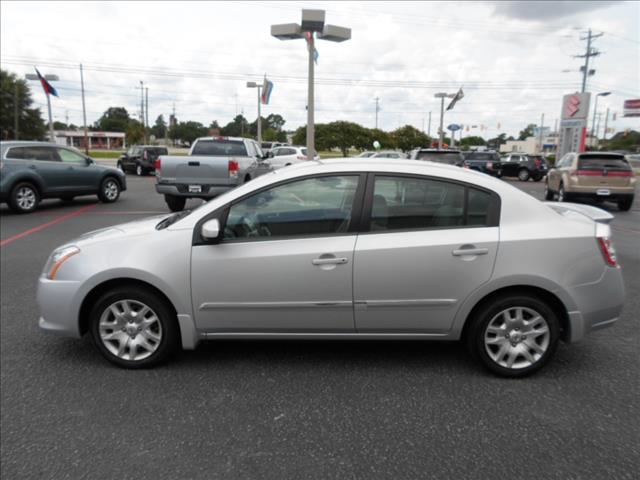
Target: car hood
(144, 226)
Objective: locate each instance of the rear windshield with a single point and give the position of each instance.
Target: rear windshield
(601, 162)
(266, 145)
(441, 157)
(158, 151)
(490, 157)
(220, 148)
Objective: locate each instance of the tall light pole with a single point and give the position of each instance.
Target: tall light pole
(377, 99)
(594, 134)
(442, 96)
(258, 86)
(312, 23)
(84, 114)
(48, 78)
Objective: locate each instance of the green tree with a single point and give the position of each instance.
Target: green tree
(59, 125)
(238, 127)
(159, 128)
(386, 140)
(114, 119)
(135, 132)
(188, 131)
(527, 132)
(275, 121)
(31, 126)
(408, 138)
(214, 124)
(472, 141)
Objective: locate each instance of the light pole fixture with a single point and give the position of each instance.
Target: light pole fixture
(594, 134)
(48, 78)
(442, 96)
(312, 23)
(258, 86)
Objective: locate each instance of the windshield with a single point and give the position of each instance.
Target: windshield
(220, 148)
(600, 162)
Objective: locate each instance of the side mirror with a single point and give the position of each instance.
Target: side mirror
(89, 161)
(210, 229)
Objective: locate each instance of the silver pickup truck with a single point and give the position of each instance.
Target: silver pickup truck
(214, 165)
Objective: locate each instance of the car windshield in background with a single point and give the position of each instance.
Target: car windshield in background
(601, 162)
(220, 148)
(444, 157)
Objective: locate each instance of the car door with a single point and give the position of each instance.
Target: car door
(428, 243)
(510, 167)
(284, 262)
(279, 157)
(81, 176)
(44, 160)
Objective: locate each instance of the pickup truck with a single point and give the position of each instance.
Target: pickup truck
(214, 166)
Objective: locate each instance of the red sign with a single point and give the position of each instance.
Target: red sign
(632, 108)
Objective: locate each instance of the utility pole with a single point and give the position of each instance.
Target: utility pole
(541, 129)
(429, 127)
(15, 112)
(377, 100)
(591, 52)
(84, 114)
(146, 113)
(606, 123)
(598, 127)
(142, 109)
(66, 117)
(555, 127)
(442, 96)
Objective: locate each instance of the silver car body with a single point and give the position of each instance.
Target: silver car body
(286, 155)
(390, 284)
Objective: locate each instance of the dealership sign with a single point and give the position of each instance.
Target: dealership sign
(573, 123)
(632, 108)
(575, 106)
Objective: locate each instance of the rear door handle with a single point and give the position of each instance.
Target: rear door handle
(471, 250)
(329, 261)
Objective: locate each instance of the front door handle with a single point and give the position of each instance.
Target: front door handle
(469, 250)
(330, 261)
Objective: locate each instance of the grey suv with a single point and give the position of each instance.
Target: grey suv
(31, 171)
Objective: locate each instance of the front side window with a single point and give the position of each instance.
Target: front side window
(309, 207)
(401, 203)
(68, 156)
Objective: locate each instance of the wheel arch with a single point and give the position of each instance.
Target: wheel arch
(37, 182)
(117, 178)
(549, 297)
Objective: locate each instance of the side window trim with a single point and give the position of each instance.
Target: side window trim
(493, 215)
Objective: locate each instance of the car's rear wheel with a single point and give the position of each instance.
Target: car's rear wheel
(523, 175)
(514, 335)
(24, 198)
(537, 177)
(133, 327)
(109, 190)
(624, 204)
(548, 193)
(175, 204)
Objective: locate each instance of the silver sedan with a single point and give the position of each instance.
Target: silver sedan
(344, 249)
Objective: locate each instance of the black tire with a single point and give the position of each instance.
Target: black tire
(624, 204)
(487, 313)
(537, 177)
(24, 198)
(166, 325)
(548, 193)
(109, 190)
(523, 175)
(140, 170)
(175, 204)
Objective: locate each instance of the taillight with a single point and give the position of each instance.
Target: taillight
(233, 169)
(608, 251)
(157, 164)
(624, 173)
(587, 173)
(490, 165)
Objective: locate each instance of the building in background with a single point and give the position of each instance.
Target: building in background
(531, 145)
(97, 140)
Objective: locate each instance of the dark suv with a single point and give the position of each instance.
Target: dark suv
(524, 166)
(141, 159)
(450, 157)
(485, 162)
(31, 171)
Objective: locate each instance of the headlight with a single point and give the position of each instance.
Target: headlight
(57, 258)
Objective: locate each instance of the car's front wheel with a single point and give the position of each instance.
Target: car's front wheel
(514, 335)
(523, 175)
(133, 327)
(109, 190)
(24, 198)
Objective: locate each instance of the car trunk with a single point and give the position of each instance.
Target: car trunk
(197, 170)
(603, 170)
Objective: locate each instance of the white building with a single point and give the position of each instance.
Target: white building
(531, 145)
(96, 140)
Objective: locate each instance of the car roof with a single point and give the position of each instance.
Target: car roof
(22, 143)
(222, 137)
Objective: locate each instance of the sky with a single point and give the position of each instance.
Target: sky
(514, 60)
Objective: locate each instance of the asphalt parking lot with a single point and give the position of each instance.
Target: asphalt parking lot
(270, 409)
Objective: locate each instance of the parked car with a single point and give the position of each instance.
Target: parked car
(352, 249)
(382, 154)
(448, 156)
(141, 159)
(486, 162)
(597, 176)
(524, 166)
(214, 165)
(32, 171)
(289, 155)
(266, 147)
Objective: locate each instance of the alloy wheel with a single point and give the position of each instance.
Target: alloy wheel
(111, 190)
(517, 337)
(26, 198)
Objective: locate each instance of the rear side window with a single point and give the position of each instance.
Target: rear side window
(602, 162)
(46, 154)
(402, 203)
(16, 152)
(220, 148)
